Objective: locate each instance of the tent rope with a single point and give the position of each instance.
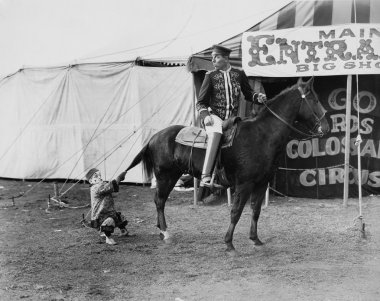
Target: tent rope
(90, 140)
(126, 155)
(119, 117)
(103, 158)
(123, 140)
(118, 145)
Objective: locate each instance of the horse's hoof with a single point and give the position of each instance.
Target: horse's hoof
(231, 252)
(257, 242)
(168, 241)
(164, 235)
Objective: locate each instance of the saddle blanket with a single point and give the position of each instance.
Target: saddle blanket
(197, 137)
(192, 136)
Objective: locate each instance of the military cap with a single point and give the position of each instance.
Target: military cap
(218, 49)
(90, 173)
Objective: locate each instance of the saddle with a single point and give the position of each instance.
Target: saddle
(197, 137)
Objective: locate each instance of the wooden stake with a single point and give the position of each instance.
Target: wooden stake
(56, 194)
(48, 205)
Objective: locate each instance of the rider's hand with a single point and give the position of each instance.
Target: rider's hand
(208, 120)
(261, 98)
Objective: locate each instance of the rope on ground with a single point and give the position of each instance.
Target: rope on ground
(63, 204)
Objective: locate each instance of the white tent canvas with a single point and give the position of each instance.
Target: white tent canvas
(59, 122)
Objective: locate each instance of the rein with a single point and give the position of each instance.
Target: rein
(303, 97)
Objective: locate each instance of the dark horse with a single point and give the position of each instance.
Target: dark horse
(249, 163)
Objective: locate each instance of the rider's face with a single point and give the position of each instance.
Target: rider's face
(219, 61)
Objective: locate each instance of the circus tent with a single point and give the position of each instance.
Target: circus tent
(58, 122)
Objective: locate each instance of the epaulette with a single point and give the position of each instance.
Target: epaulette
(209, 72)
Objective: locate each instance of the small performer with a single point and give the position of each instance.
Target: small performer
(104, 217)
(218, 100)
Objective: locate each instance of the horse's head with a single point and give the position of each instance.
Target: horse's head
(311, 112)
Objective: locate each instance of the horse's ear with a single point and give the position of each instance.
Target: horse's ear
(309, 85)
(300, 81)
(310, 82)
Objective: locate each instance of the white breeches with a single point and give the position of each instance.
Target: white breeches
(216, 127)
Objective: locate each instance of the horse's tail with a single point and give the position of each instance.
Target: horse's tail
(143, 156)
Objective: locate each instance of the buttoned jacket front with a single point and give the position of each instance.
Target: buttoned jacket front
(213, 92)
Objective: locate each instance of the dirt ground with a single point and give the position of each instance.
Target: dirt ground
(313, 250)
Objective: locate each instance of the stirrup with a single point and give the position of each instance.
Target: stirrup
(214, 185)
(205, 181)
(209, 183)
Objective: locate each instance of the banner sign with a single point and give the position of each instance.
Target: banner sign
(315, 167)
(312, 51)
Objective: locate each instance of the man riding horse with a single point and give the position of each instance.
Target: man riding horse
(218, 100)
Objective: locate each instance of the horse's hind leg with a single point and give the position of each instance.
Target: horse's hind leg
(241, 196)
(257, 198)
(164, 186)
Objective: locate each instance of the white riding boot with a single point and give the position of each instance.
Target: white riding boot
(211, 151)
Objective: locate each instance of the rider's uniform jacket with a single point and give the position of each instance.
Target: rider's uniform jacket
(221, 91)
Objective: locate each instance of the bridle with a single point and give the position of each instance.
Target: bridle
(315, 132)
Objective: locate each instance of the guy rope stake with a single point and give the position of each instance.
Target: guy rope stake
(47, 210)
(56, 197)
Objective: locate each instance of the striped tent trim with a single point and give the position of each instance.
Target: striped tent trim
(321, 13)
(298, 14)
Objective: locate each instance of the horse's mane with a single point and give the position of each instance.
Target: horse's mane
(281, 94)
(274, 99)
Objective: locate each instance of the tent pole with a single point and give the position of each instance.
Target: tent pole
(194, 124)
(347, 140)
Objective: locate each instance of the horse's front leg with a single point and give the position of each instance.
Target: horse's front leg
(241, 196)
(257, 198)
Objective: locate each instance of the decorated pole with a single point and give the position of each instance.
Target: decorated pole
(347, 140)
(357, 143)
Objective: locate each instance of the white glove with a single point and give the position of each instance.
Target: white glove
(208, 120)
(261, 98)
